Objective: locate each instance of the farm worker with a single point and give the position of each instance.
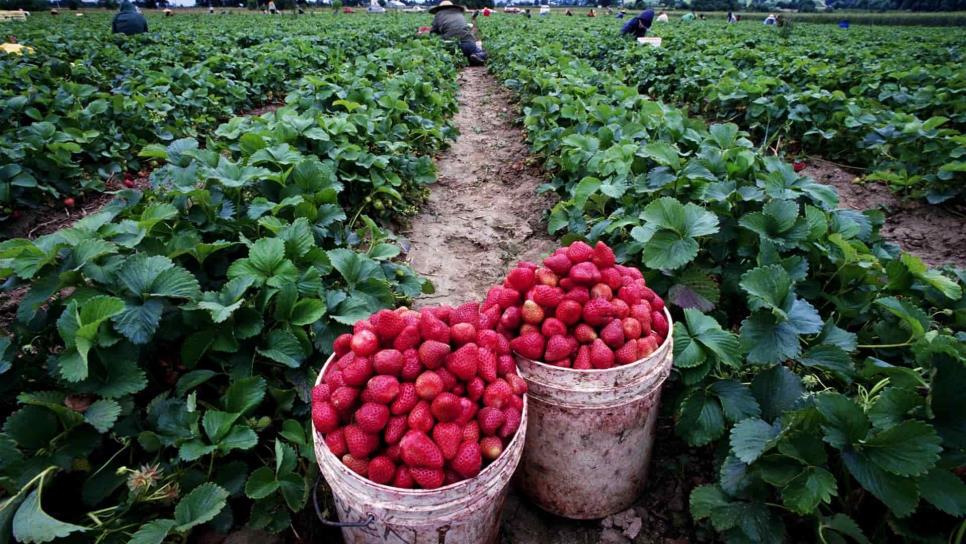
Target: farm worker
(689, 16)
(569, 13)
(638, 26)
(544, 10)
(844, 24)
(621, 14)
(271, 7)
(770, 20)
(591, 13)
(14, 48)
(450, 24)
(128, 20)
(486, 12)
(662, 17)
(731, 18)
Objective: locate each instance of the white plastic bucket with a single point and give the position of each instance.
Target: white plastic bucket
(465, 512)
(591, 432)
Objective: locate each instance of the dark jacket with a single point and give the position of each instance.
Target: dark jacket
(638, 26)
(128, 20)
(450, 24)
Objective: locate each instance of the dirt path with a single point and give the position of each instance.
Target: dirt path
(483, 213)
(935, 234)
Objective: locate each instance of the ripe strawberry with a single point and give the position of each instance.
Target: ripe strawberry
(466, 313)
(493, 341)
(359, 442)
(336, 443)
(579, 252)
(411, 365)
(342, 344)
(464, 361)
(528, 345)
(388, 362)
(69, 202)
(344, 398)
(657, 304)
(578, 294)
(381, 469)
(433, 354)
(600, 355)
(505, 365)
(474, 389)
(627, 353)
(642, 313)
(531, 312)
(395, 429)
(631, 328)
(632, 272)
(601, 290)
(558, 348)
(568, 312)
(468, 460)
(403, 479)
(418, 450)
(427, 478)
(388, 324)
(559, 264)
(648, 293)
(421, 417)
(393, 452)
(408, 339)
(631, 294)
(462, 333)
(383, 389)
(511, 318)
(129, 183)
(597, 312)
(446, 407)
(362, 325)
(584, 274)
(487, 365)
(513, 417)
(621, 309)
(490, 420)
(647, 345)
(566, 284)
(449, 379)
(584, 333)
(659, 324)
(471, 431)
(432, 328)
(357, 372)
(405, 400)
(521, 279)
(547, 297)
(448, 437)
(552, 326)
(491, 447)
(321, 393)
(356, 464)
(467, 411)
(364, 343)
(612, 278)
(497, 393)
(798, 166)
(603, 255)
(517, 384)
(582, 362)
(545, 276)
(333, 378)
(527, 328)
(490, 318)
(372, 417)
(325, 417)
(613, 334)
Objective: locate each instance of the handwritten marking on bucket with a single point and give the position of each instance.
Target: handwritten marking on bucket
(467, 512)
(591, 432)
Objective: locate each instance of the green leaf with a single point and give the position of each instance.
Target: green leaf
(261, 483)
(353, 266)
(770, 339)
(307, 311)
(813, 486)
(240, 437)
(932, 277)
(200, 506)
(751, 438)
(845, 422)
(79, 326)
(294, 490)
(190, 380)
(153, 532)
(283, 347)
(102, 414)
(892, 406)
(138, 322)
(663, 153)
(914, 318)
(777, 390)
(945, 400)
(293, 432)
(898, 493)
(192, 450)
(245, 394)
(700, 419)
(768, 287)
(803, 446)
(910, 448)
(945, 491)
(668, 250)
(31, 524)
(217, 424)
(32, 427)
(382, 252)
(736, 400)
(840, 523)
(706, 499)
(699, 337)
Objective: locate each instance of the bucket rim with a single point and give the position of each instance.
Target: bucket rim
(589, 371)
(319, 440)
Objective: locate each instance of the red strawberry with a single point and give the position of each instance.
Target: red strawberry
(578, 294)
(545, 276)
(490, 420)
(432, 328)
(325, 417)
(432, 354)
(627, 353)
(448, 437)
(547, 297)
(421, 417)
(408, 339)
(381, 469)
(468, 460)
(490, 318)
(427, 478)
(474, 389)
(632, 272)
(659, 324)
(395, 429)
(344, 398)
(364, 343)
(359, 442)
(342, 344)
(372, 417)
(418, 450)
(631, 328)
(567, 284)
(497, 393)
(552, 327)
(405, 400)
(462, 333)
(362, 325)
(467, 411)
(798, 166)
(383, 389)
(505, 365)
(584, 333)
(529, 345)
(491, 447)
(601, 290)
(513, 418)
(321, 392)
(336, 443)
(559, 264)
(527, 328)
(558, 348)
(493, 341)
(357, 372)
(579, 252)
(466, 313)
(487, 365)
(464, 361)
(657, 304)
(597, 312)
(612, 278)
(393, 452)
(388, 324)
(631, 294)
(568, 312)
(449, 379)
(531, 312)
(403, 479)
(388, 361)
(600, 355)
(521, 279)
(582, 362)
(471, 431)
(613, 334)
(411, 365)
(584, 274)
(517, 384)
(446, 407)
(621, 309)
(511, 317)
(647, 345)
(642, 312)
(69, 202)
(603, 255)
(358, 465)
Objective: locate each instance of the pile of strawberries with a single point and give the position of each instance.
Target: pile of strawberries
(420, 399)
(579, 310)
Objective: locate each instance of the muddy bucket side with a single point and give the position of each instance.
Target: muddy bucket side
(464, 512)
(589, 437)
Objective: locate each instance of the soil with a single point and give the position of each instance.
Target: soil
(483, 214)
(935, 234)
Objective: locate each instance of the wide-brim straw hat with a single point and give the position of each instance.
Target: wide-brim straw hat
(445, 4)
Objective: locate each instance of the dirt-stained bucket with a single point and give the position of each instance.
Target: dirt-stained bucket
(590, 433)
(464, 512)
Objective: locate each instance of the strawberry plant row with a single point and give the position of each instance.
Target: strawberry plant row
(158, 378)
(818, 363)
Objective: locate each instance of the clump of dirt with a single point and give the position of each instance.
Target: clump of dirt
(935, 234)
(484, 213)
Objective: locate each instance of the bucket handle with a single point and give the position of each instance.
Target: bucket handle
(369, 522)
